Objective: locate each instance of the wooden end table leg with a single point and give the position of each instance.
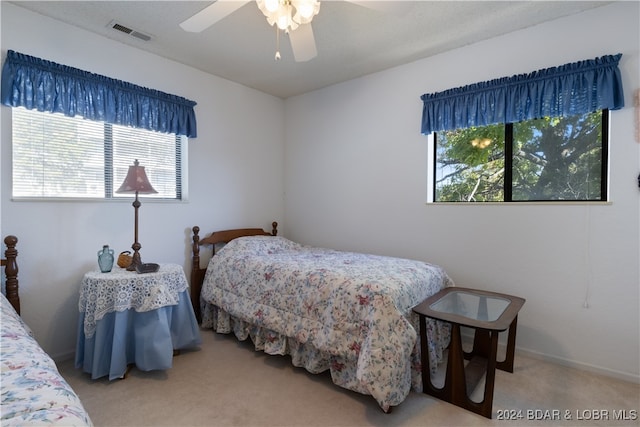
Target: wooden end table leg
(485, 407)
(446, 392)
(507, 363)
(424, 356)
(427, 385)
(482, 346)
(454, 389)
(455, 383)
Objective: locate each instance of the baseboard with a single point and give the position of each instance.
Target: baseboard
(612, 373)
(467, 340)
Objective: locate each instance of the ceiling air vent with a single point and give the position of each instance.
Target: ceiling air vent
(133, 33)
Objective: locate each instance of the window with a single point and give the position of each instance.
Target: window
(539, 136)
(55, 156)
(550, 159)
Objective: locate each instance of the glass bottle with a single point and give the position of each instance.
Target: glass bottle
(105, 259)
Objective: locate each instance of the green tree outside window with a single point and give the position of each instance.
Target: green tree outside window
(549, 159)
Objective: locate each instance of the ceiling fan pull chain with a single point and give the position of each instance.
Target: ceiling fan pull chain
(277, 43)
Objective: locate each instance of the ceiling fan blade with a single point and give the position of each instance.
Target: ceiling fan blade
(211, 14)
(393, 7)
(303, 43)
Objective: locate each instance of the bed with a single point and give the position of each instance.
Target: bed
(33, 391)
(349, 313)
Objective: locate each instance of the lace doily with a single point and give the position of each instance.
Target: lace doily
(121, 290)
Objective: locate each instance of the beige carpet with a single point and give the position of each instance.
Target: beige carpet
(227, 383)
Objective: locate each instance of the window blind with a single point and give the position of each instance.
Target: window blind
(69, 157)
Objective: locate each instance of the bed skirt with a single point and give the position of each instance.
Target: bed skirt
(344, 371)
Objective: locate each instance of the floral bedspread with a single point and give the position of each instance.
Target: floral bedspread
(346, 312)
(33, 392)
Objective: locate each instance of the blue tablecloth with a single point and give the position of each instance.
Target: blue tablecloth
(120, 336)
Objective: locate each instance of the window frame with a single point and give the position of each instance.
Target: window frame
(508, 175)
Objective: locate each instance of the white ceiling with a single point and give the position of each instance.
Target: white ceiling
(352, 40)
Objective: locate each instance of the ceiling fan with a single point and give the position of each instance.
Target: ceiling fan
(290, 16)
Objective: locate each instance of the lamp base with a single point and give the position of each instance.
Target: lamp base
(135, 259)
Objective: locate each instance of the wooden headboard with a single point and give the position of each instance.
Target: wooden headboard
(11, 272)
(225, 236)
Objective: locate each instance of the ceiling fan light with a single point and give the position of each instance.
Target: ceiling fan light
(304, 8)
(279, 12)
(272, 5)
(282, 22)
(269, 8)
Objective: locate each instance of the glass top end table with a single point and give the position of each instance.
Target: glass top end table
(472, 307)
(488, 313)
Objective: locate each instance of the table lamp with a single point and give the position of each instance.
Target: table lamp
(136, 182)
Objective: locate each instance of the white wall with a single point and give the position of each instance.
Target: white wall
(235, 175)
(356, 179)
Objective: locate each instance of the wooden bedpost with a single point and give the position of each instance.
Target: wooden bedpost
(11, 272)
(223, 236)
(196, 282)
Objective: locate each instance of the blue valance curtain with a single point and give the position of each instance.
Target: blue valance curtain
(571, 89)
(35, 83)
